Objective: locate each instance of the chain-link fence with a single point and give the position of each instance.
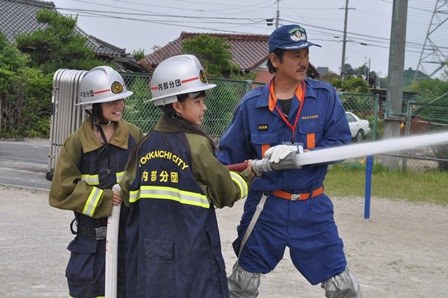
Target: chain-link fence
(424, 107)
(221, 103)
(364, 107)
(422, 117)
(363, 118)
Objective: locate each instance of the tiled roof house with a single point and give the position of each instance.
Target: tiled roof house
(19, 17)
(249, 51)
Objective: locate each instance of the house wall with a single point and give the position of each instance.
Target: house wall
(263, 76)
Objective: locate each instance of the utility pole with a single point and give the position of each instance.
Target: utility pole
(344, 41)
(368, 73)
(394, 96)
(277, 17)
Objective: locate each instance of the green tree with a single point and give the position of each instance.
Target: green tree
(138, 54)
(26, 82)
(239, 76)
(329, 77)
(215, 56)
(58, 45)
(221, 102)
(445, 71)
(138, 110)
(11, 59)
(25, 95)
(361, 71)
(351, 85)
(432, 99)
(409, 75)
(431, 104)
(213, 52)
(348, 71)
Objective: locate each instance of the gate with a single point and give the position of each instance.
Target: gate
(66, 117)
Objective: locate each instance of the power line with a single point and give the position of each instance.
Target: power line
(195, 22)
(133, 16)
(178, 21)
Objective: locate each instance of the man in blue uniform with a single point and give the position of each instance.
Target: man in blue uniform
(289, 113)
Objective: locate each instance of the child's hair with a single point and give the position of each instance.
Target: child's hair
(97, 113)
(174, 121)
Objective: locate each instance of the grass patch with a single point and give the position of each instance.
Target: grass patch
(346, 180)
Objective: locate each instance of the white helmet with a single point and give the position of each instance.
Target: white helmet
(177, 75)
(102, 84)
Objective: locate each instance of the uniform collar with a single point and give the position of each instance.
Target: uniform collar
(263, 100)
(90, 143)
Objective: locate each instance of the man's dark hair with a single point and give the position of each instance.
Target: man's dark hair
(279, 53)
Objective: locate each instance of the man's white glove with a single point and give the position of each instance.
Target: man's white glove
(280, 152)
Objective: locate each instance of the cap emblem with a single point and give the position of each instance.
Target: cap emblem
(202, 76)
(297, 34)
(116, 87)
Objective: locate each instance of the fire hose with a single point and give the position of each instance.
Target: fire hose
(111, 271)
(295, 160)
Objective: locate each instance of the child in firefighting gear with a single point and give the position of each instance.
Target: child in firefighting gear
(173, 184)
(91, 161)
(289, 114)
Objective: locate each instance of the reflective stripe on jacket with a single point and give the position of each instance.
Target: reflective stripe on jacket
(172, 226)
(254, 128)
(172, 189)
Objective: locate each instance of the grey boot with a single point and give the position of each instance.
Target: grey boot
(343, 285)
(243, 284)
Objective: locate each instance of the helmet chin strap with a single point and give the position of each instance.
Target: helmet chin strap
(100, 129)
(103, 136)
(98, 126)
(105, 123)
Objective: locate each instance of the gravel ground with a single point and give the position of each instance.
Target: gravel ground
(401, 251)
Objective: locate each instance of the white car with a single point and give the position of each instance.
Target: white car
(358, 127)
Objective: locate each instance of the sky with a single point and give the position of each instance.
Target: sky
(147, 24)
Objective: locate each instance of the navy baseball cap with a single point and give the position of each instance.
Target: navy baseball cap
(289, 37)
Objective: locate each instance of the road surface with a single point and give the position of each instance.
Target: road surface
(24, 163)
